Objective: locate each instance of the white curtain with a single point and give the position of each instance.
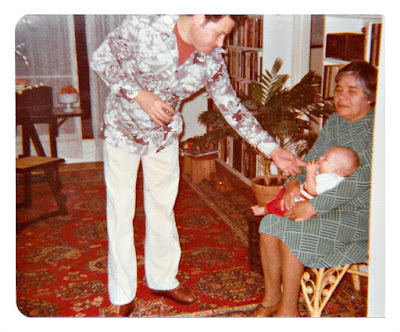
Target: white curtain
(47, 43)
(97, 28)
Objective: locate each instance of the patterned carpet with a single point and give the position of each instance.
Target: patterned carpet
(62, 261)
(232, 200)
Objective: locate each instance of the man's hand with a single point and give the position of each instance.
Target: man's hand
(158, 110)
(301, 211)
(286, 161)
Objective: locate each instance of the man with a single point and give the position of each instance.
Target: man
(151, 64)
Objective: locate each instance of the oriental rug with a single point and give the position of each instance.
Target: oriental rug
(62, 261)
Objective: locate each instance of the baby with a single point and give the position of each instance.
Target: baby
(336, 164)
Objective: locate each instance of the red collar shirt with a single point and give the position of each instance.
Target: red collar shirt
(142, 54)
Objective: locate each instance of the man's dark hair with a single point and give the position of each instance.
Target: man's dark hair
(238, 19)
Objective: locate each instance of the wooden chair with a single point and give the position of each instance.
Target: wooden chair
(26, 163)
(36, 104)
(318, 285)
(49, 165)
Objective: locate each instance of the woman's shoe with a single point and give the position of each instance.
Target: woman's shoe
(262, 311)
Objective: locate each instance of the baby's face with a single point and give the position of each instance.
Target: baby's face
(329, 162)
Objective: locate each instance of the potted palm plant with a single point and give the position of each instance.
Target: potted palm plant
(289, 115)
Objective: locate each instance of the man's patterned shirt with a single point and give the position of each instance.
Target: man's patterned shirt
(142, 54)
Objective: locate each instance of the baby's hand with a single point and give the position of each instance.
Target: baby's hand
(312, 166)
(259, 210)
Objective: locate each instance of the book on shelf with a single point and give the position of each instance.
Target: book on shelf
(328, 86)
(242, 87)
(246, 64)
(237, 154)
(248, 34)
(259, 165)
(249, 162)
(376, 32)
(229, 151)
(222, 150)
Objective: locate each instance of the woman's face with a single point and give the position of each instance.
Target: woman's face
(350, 100)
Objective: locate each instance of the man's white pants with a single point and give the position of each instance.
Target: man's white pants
(162, 249)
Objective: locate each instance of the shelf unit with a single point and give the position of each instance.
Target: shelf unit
(244, 60)
(244, 54)
(342, 47)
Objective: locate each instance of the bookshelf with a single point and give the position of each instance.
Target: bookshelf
(360, 41)
(244, 54)
(244, 60)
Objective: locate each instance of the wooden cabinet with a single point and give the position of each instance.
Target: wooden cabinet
(200, 167)
(345, 46)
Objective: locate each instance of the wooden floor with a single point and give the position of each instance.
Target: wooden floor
(81, 166)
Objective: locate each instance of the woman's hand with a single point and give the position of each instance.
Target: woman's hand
(292, 192)
(158, 110)
(301, 211)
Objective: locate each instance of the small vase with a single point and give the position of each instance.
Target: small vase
(68, 99)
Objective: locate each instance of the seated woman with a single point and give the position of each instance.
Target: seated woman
(331, 229)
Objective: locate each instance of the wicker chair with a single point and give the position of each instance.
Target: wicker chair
(318, 285)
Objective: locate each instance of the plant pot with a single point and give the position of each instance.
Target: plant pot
(263, 192)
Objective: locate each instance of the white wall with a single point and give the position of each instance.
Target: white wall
(347, 23)
(288, 37)
(191, 111)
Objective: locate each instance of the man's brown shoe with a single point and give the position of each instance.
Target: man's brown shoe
(180, 294)
(125, 310)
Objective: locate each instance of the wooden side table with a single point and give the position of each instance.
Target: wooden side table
(62, 116)
(199, 166)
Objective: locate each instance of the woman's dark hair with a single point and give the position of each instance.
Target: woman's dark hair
(365, 74)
